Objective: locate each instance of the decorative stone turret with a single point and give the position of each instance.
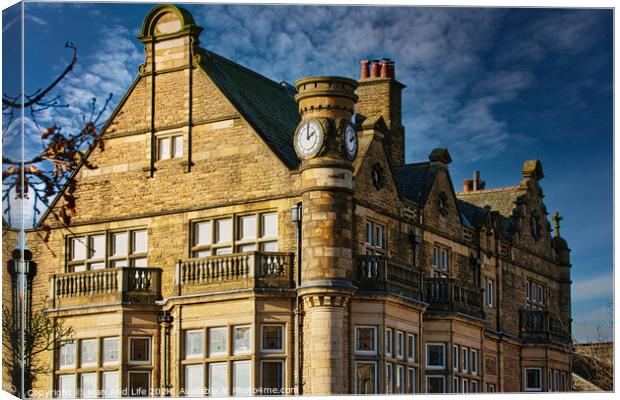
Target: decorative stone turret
(326, 105)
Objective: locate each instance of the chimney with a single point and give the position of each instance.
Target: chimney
(467, 185)
(374, 69)
(391, 70)
(364, 73)
(476, 179)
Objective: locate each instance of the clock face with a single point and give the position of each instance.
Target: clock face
(309, 139)
(350, 141)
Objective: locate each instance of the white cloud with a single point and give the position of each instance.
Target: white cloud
(594, 288)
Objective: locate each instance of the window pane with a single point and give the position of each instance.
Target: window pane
(78, 248)
(109, 384)
(67, 355)
(247, 227)
(272, 337)
(269, 246)
(193, 380)
(533, 292)
(270, 225)
(242, 378)
(204, 253)
(464, 359)
(119, 244)
(532, 378)
(66, 386)
(379, 237)
(388, 341)
(218, 386)
(368, 233)
(400, 379)
(400, 338)
(223, 250)
(139, 262)
(139, 384)
(366, 378)
(110, 350)
(97, 246)
(389, 379)
(242, 337)
(88, 352)
(164, 148)
(140, 349)
(444, 260)
(88, 387)
(272, 379)
(411, 347)
(79, 268)
(203, 233)
(217, 341)
(178, 146)
(246, 248)
(120, 264)
(223, 230)
(139, 242)
(193, 344)
(411, 384)
(435, 355)
(435, 384)
(365, 339)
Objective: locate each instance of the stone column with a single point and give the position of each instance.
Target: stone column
(327, 232)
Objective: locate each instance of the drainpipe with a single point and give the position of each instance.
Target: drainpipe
(165, 320)
(296, 217)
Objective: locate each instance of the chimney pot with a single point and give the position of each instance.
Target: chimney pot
(364, 73)
(384, 68)
(374, 69)
(391, 70)
(467, 185)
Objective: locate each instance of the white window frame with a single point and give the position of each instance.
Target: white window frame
(243, 392)
(464, 385)
(94, 389)
(400, 345)
(186, 343)
(116, 392)
(250, 346)
(74, 393)
(262, 336)
(491, 388)
(464, 359)
(455, 384)
(474, 361)
(412, 386)
(366, 352)
(437, 367)
(103, 353)
(93, 363)
(455, 357)
(532, 389)
(412, 348)
(389, 378)
(171, 145)
(490, 293)
(223, 353)
(374, 363)
(389, 342)
(185, 375)
(149, 352)
(67, 366)
(474, 386)
(226, 376)
(443, 379)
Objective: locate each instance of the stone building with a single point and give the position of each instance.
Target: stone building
(238, 235)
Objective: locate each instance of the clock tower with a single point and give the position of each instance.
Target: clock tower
(326, 143)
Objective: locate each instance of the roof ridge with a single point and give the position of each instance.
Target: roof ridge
(482, 191)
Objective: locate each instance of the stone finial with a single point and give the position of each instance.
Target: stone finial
(556, 218)
(532, 169)
(440, 155)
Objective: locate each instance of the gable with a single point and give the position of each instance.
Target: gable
(440, 209)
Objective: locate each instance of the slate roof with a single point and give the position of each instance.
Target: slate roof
(475, 215)
(415, 181)
(502, 199)
(267, 105)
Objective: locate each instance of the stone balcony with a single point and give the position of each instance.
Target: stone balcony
(541, 326)
(235, 272)
(106, 286)
(449, 295)
(381, 274)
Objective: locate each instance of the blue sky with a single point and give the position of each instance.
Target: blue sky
(496, 86)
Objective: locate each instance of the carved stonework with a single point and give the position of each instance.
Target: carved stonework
(323, 300)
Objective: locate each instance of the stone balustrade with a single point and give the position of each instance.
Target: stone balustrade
(380, 273)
